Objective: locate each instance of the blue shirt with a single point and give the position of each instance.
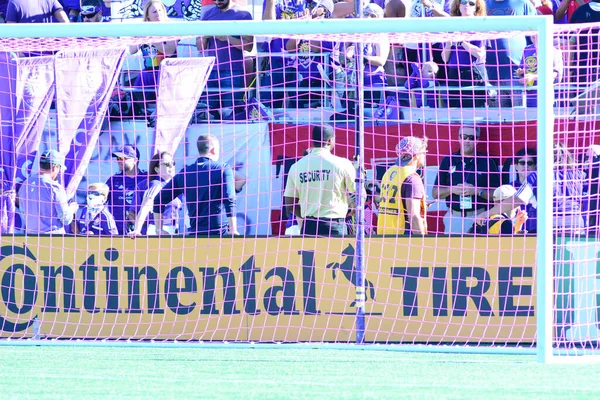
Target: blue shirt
(44, 205)
(209, 188)
(228, 58)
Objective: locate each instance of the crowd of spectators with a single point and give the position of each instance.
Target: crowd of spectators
(308, 74)
(320, 186)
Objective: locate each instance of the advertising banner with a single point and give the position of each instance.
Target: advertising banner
(275, 289)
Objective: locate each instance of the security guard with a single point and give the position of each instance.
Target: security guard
(319, 186)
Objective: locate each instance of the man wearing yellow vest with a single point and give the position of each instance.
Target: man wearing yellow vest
(402, 207)
(319, 186)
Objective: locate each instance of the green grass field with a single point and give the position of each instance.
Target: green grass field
(265, 373)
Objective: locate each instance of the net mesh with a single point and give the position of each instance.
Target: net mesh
(124, 118)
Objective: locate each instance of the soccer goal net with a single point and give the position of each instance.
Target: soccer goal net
(175, 182)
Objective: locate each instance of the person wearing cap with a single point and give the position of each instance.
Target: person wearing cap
(29, 11)
(567, 194)
(508, 223)
(43, 201)
(126, 188)
(465, 181)
(209, 189)
(229, 72)
(319, 186)
(93, 11)
(310, 67)
(402, 207)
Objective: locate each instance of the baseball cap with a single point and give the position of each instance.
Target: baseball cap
(373, 9)
(504, 192)
(127, 152)
(326, 4)
(90, 6)
(408, 148)
(53, 157)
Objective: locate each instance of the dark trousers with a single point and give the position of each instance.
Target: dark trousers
(324, 227)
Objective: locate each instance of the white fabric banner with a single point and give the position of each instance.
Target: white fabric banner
(182, 81)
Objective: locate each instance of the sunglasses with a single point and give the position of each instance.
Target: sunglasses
(89, 15)
(168, 164)
(467, 137)
(468, 3)
(95, 194)
(529, 163)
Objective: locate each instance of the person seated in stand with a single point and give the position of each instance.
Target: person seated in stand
(95, 218)
(508, 223)
(421, 78)
(567, 194)
(528, 71)
(153, 53)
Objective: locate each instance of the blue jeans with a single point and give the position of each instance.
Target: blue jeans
(225, 97)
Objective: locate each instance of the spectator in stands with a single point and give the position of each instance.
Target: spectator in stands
(3, 6)
(153, 53)
(591, 203)
(208, 186)
(308, 75)
(279, 72)
(29, 11)
(161, 171)
(125, 188)
(421, 78)
(503, 55)
(319, 186)
(567, 194)
(528, 71)
(584, 46)
(402, 210)
(525, 163)
(465, 60)
(93, 11)
(95, 218)
(466, 180)
(228, 74)
(395, 67)
(502, 224)
(43, 201)
(375, 56)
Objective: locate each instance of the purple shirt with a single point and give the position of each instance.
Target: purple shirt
(284, 9)
(412, 189)
(102, 223)
(529, 63)
(228, 58)
(373, 75)
(307, 65)
(125, 194)
(28, 11)
(460, 57)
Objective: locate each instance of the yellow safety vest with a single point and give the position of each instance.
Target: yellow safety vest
(391, 219)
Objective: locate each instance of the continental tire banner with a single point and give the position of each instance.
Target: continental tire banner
(421, 290)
